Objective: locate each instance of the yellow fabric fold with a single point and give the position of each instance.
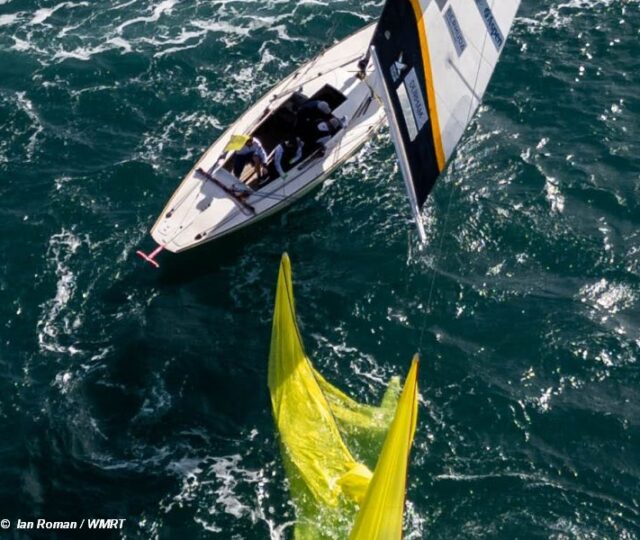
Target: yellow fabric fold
(307, 427)
(381, 513)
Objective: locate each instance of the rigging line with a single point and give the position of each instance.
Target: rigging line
(464, 81)
(433, 270)
(301, 82)
(182, 228)
(446, 219)
(475, 83)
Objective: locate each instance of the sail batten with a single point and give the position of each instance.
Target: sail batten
(434, 60)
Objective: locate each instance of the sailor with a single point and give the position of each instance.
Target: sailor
(309, 114)
(326, 130)
(287, 154)
(251, 152)
(314, 109)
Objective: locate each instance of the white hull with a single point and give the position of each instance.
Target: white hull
(201, 210)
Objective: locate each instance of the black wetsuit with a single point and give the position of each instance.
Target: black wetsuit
(309, 115)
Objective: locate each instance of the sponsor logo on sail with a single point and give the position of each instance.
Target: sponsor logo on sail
(412, 104)
(417, 100)
(397, 68)
(491, 24)
(459, 42)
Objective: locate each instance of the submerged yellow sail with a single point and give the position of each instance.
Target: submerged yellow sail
(329, 441)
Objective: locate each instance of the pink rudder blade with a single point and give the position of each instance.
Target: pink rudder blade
(150, 258)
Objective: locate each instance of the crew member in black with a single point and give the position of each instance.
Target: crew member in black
(309, 114)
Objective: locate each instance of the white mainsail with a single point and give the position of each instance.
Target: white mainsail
(435, 59)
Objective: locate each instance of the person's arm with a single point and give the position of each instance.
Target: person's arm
(298, 155)
(277, 159)
(262, 155)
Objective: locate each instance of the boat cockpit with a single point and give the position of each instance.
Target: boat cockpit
(285, 123)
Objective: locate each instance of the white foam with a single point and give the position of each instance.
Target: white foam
(27, 107)
(416, 523)
(184, 36)
(62, 246)
(561, 15)
(163, 7)
(68, 29)
(43, 14)
(20, 44)
(63, 381)
(123, 5)
(6, 20)
(222, 482)
(172, 50)
(85, 53)
(607, 297)
(182, 39)
(222, 27)
(554, 196)
(543, 402)
(120, 43)
(81, 53)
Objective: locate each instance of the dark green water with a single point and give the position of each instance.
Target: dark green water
(132, 393)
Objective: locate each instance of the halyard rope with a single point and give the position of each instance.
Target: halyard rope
(447, 213)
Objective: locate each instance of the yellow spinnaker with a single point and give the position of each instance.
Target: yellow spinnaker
(380, 515)
(321, 430)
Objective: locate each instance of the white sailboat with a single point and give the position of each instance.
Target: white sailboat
(428, 62)
(211, 202)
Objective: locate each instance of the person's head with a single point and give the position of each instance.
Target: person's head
(335, 123)
(249, 142)
(324, 108)
(290, 142)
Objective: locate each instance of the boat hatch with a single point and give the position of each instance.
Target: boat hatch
(328, 93)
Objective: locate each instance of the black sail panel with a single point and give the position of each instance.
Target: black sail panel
(400, 57)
